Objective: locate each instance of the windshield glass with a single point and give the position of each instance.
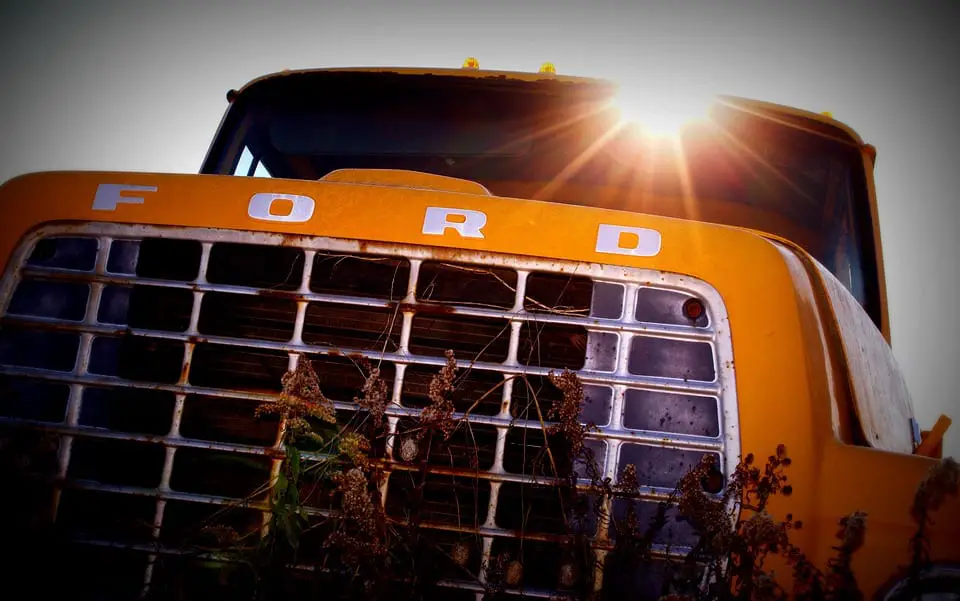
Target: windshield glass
(563, 142)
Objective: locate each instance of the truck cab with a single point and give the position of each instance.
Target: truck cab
(558, 296)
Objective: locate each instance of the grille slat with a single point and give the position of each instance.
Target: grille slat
(187, 333)
(599, 323)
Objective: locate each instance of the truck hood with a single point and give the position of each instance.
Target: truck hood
(381, 211)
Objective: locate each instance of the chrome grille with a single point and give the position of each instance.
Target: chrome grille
(146, 350)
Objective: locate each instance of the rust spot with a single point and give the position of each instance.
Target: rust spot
(273, 453)
(428, 308)
(284, 294)
(196, 339)
(363, 246)
(334, 353)
(184, 371)
(294, 240)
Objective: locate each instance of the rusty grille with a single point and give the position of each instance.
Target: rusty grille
(144, 352)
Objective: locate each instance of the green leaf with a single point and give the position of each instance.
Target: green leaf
(293, 459)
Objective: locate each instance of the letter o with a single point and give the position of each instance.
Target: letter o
(260, 205)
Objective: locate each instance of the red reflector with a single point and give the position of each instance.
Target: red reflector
(693, 309)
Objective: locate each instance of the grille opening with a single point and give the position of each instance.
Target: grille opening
(64, 252)
(183, 577)
(317, 489)
(137, 358)
(449, 594)
(558, 293)
(675, 531)
(474, 285)
(529, 508)
(666, 306)
(220, 474)
(124, 255)
(186, 523)
(471, 446)
(358, 422)
(552, 345)
(607, 300)
(237, 368)
(675, 413)
(133, 410)
(313, 547)
(31, 504)
(28, 467)
(352, 275)
(542, 561)
(626, 577)
(256, 265)
(53, 300)
(98, 573)
(583, 513)
(529, 394)
(244, 316)
(26, 453)
(525, 452)
(450, 500)
(659, 466)
(341, 378)
(597, 405)
(40, 349)
(594, 462)
(94, 514)
(345, 327)
(470, 338)
(26, 398)
(666, 358)
(168, 259)
(116, 462)
(147, 307)
(471, 386)
(601, 352)
(227, 420)
(451, 547)
(239, 584)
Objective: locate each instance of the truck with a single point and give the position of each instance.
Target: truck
(453, 326)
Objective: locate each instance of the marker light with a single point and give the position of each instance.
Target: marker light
(471, 63)
(827, 114)
(659, 110)
(548, 68)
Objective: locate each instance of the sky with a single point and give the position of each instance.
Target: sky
(138, 86)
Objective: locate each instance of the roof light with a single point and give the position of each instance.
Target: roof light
(548, 68)
(827, 114)
(471, 63)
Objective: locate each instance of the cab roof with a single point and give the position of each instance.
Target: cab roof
(818, 122)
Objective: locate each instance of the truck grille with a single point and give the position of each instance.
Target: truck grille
(132, 360)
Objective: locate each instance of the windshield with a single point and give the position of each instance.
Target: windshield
(563, 142)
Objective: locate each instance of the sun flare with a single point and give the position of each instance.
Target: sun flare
(661, 111)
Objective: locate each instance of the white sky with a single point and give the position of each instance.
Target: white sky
(139, 86)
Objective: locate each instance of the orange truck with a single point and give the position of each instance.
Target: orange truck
(716, 292)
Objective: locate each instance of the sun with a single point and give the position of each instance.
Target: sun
(660, 110)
